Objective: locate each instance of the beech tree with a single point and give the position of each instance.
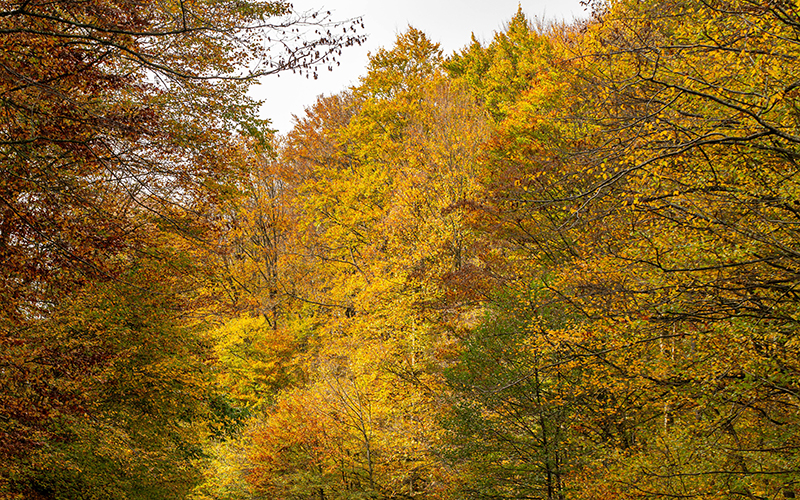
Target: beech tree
(108, 110)
(118, 138)
(375, 178)
(644, 183)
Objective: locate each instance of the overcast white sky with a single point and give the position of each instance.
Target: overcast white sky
(447, 22)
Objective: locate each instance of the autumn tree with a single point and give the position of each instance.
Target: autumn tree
(607, 270)
(118, 143)
(376, 178)
(653, 202)
(708, 169)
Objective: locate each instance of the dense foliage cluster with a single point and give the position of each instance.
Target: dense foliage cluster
(119, 147)
(561, 264)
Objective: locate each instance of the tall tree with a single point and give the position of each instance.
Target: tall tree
(656, 193)
(118, 142)
(378, 176)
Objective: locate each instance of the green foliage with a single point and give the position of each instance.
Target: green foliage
(501, 72)
(518, 393)
(115, 389)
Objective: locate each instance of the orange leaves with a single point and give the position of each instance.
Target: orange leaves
(294, 448)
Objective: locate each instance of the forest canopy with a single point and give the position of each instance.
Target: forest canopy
(559, 264)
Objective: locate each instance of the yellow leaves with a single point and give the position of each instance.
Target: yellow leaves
(637, 224)
(663, 256)
(255, 359)
(378, 191)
